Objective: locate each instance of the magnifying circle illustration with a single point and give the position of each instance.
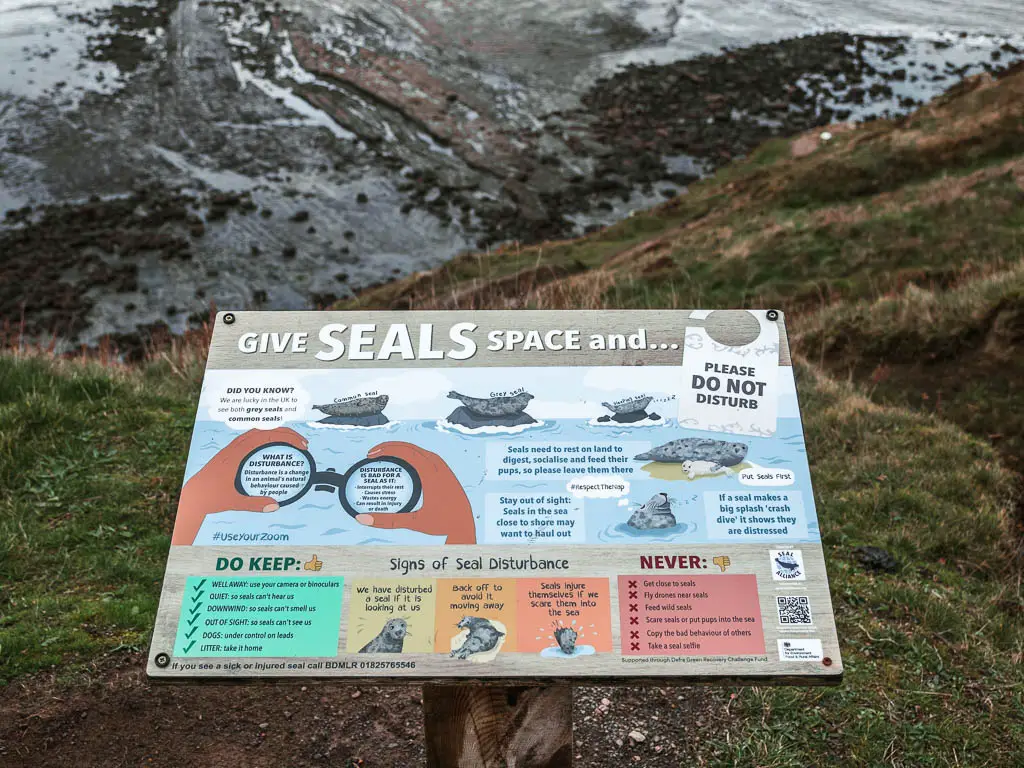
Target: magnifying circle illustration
(285, 473)
(280, 471)
(379, 485)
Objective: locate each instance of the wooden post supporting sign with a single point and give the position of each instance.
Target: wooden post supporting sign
(481, 726)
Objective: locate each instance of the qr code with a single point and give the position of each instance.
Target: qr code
(793, 609)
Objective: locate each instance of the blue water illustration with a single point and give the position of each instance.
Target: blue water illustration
(318, 517)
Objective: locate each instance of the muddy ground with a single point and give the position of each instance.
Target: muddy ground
(118, 720)
(157, 158)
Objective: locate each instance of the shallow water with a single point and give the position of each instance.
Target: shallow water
(318, 516)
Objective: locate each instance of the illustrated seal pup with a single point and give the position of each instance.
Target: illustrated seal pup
(694, 468)
(359, 406)
(483, 636)
(697, 449)
(493, 407)
(656, 513)
(390, 639)
(633, 405)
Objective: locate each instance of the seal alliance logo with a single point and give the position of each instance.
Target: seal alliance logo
(788, 565)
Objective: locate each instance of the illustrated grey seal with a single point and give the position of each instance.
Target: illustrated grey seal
(359, 406)
(632, 405)
(697, 449)
(483, 636)
(656, 513)
(492, 407)
(389, 639)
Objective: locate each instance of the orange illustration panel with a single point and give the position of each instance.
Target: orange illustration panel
(562, 617)
(476, 618)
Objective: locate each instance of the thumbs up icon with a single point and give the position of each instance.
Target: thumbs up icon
(313, 564)
(722, 561)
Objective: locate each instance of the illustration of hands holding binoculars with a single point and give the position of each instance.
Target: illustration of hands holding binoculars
(263, 471)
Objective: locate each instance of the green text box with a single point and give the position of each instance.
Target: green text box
(262, 616)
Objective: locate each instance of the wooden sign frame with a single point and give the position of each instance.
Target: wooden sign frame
(529, 497)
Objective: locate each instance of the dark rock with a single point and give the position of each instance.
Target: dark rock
(630, 418)
(465, 418)
(372, 420)
(876, 559)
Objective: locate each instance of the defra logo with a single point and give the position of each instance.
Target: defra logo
(788, 565)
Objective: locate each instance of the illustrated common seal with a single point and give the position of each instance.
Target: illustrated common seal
(656, 513)
(390, 639)
(632, 405)
(359, 406)
(697, 449)
(493, 407)
(483, 636)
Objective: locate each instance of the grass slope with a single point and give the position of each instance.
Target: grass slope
(897, 250)
(90, 464)
(90, 468)
(931, 200)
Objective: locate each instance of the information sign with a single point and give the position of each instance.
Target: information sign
(506, 496)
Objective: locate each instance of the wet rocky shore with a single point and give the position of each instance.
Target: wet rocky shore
(247, 155)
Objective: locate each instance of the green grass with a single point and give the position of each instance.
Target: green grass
(803, 259)
(934, 652)
(90, 466)
(958, 353)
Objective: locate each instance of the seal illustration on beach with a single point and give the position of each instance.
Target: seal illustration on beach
(491, 407)
(656, 513)
(359, 406)
(390, 639)
(697, 449)
(483, 636)
(355, 411)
